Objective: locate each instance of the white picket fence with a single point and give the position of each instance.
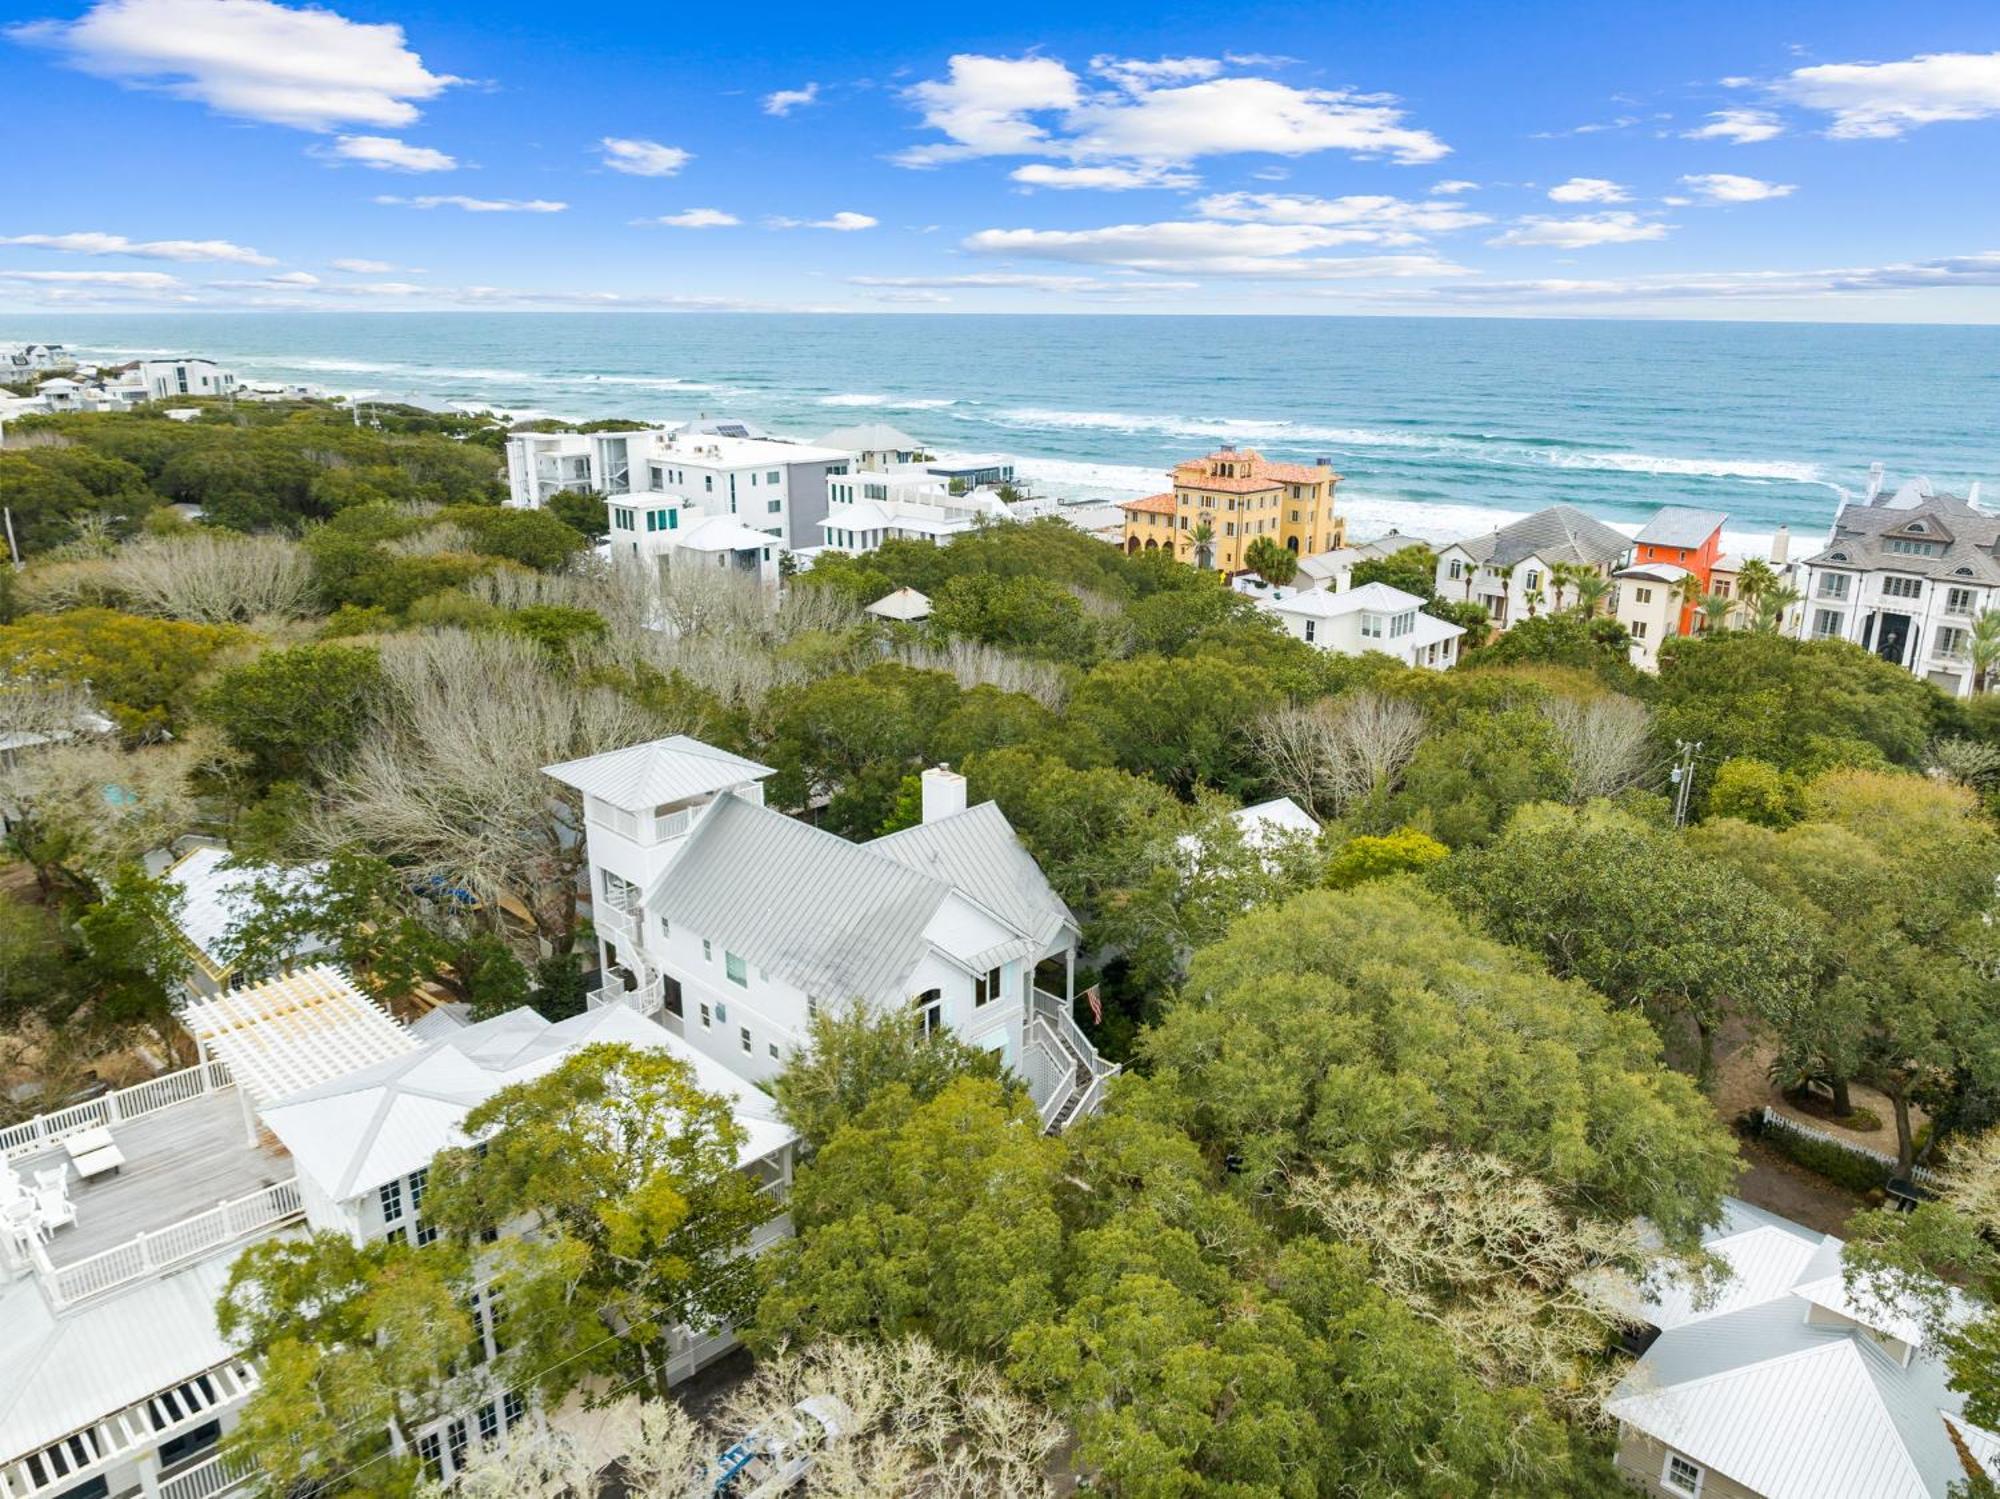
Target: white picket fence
(44, 1131)
(1922, 1175)
(148, 1253)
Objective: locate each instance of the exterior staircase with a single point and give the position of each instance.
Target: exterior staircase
(1081, 1073)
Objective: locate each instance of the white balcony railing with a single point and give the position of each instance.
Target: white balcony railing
(44, 1131)
(147, 1254)
(207, 1479)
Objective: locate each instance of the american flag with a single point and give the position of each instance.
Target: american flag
(1096, 1002)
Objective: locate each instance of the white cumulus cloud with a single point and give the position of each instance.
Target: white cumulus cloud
(694, 218)
(1252, 250)
(387, 154)
(1386, 220)
(1727, 187)
(1745, 127)
(307, 66)
(783, 101)
(363, 267)
(94, 243)
(1588, 190)
(643, 158)
(1454, 185)
(1875, 100)
(475, 205)
(1110, 178)
(1168, 112)
(1582, 232)
(845, 222)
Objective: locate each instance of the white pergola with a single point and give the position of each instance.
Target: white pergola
(293, 1032)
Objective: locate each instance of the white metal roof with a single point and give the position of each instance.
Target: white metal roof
(1267, 820)
(871, 437)
(1786, 1404)
(295, 1031)
(61, 1372)
(643, 776)
(216, 895)
(904, 603)
(356, 1132)
(1377, 597)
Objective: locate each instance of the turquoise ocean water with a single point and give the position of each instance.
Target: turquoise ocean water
(1437, 425)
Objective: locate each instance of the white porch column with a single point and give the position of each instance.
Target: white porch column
(149, 1474)
(249, 1114)
(1069, 974)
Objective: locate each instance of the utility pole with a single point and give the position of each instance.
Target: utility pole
(1682, 776)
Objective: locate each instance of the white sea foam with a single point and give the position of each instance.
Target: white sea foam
(853, 400)
(1508, 452)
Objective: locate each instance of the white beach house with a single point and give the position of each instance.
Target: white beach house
(1784, 1383)
(1373, 617)
(1904, 574)
(735, 923)
(311, 1109)
(169, 379)
(664, 481)
(903, 503)
(1509, 570)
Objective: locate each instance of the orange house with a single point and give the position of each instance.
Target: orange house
(1687, 538)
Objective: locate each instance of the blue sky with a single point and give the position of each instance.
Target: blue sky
(1826, 161)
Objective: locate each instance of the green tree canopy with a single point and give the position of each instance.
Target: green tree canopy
(292, 710)
(632, 1173)
(1338, 1029)
(1637, 914)
(144, 673)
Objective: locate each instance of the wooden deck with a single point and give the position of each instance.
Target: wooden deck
(178, 1162)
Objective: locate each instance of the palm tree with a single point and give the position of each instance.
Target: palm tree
(1689, 589)
(1715, 609)
(1561, 575)
(1274, 564)
(1773, 604)
(1591, 590)
(1532, 598)
(1756, 579)
(1203, 537)
(1983, 646)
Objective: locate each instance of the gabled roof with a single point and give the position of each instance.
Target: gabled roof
(1660, 572)
(978, 853)
(1787, 1407)
(1561, 533)
(216, 895)
(1268, 821)
(643, 776)
(1969, 538)
(1379, 598)
(835, 919)
(1152, 504)
(1680, 526)
(379, 1123)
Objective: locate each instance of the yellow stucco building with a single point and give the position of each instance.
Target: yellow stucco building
(1241, 496)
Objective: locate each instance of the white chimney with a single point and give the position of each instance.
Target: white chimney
(944, 793)
(1781, 545)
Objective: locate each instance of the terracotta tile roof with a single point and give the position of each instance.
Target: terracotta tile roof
(1152, 504)
(1218, 485)
(1199, 473)
(1298, 473)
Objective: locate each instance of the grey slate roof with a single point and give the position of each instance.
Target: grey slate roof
(1860, 534)
(836, 919)
(644, 776)
(1561, 533)
(979, 854)
(1681, 526)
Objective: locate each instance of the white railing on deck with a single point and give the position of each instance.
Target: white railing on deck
(206, 1480)
(1053, 1014)
(33, 1136)
(149, 1253)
